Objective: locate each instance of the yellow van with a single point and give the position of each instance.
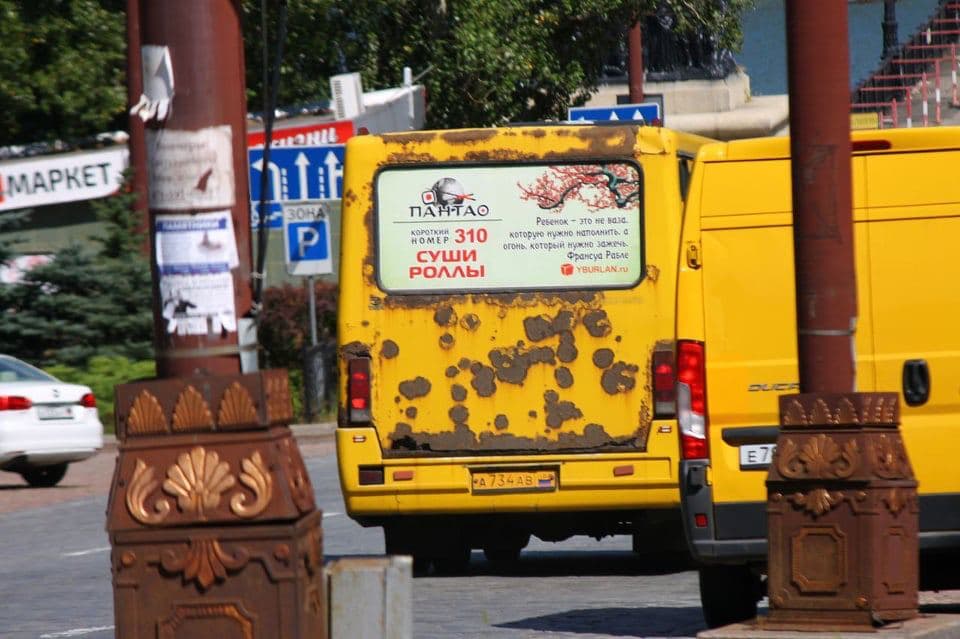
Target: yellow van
(736, 326)
(506, 329)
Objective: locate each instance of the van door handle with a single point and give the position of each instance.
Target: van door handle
(916, 382)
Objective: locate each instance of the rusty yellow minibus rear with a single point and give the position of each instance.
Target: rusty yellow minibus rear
(506, 328)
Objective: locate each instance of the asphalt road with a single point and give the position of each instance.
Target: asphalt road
(55, 572)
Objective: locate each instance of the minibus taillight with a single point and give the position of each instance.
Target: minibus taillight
(358, 390)
(692, 400)
(664, 382)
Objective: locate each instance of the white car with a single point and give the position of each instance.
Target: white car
(45, 424)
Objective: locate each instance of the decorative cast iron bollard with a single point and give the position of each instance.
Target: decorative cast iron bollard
(211, 513)
(842, 515)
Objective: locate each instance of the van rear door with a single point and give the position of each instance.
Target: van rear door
(518, 282)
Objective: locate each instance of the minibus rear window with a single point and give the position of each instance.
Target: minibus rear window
(503, 227)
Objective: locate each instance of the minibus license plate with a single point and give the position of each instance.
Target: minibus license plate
(54, 412)
(756, 456)
(514, 481)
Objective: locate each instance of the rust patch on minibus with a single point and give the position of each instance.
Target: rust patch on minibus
(401, 157)
(653, 272)
(458, 393)
(447, 341)
(483, 380)
(445, 316)
(410, 138)
(541, 327)
(470, 321)
(559, 411)
(389, 349)
(462, 439)
(451, 371)
(511, 365)
(411, 412)
(463, 364)
(567, 349)
(459, 414)
(563, 376)
(597, 323)
(467, 136)
(498, 155)
(602, 357)
(413, 388)
(501, 422)
(619, 378)
(355, 349)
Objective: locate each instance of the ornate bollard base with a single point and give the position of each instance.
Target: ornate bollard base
(244, 582)
(842, 515)
(212, 519)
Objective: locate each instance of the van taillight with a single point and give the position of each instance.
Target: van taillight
(664, 383)
(358, 390)
(692, 400)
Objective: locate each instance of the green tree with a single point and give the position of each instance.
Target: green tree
(63, 69)
(83, 303)
(489, 61)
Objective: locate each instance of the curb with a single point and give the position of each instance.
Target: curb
(300, 431)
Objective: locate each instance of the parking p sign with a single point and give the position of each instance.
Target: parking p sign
(306, 238)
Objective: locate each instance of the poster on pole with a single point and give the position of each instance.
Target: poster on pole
(195, 255)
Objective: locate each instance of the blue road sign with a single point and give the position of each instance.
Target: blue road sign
(295, 173)
(643, 112)
(306, 238)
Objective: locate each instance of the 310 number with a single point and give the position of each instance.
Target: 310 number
(478, 236)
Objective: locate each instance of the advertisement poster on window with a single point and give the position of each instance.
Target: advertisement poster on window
(510, 227)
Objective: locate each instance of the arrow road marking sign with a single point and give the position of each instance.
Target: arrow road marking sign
(647, 112)
(302, 173)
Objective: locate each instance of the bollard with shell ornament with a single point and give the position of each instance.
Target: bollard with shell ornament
(842, 515)
(211, 513)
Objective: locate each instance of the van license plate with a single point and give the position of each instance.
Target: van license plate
(756, 456)
(54, 412)
(514, 481)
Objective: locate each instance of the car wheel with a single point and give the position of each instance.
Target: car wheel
(504, 555)
(453, 561)
(44, 476)
(397, 540)
(729, 594)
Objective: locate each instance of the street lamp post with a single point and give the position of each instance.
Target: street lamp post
(842, 509)
(890, 45)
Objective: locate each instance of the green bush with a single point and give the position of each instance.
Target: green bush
(102, 373)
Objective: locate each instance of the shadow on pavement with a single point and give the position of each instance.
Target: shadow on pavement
(618, 622)
(567, 563)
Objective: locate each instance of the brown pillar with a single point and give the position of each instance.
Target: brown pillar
(212, 520)
(197, 158)
(842, 509)
(818, 66)
(635, 68)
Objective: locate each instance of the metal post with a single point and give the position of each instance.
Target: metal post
(823, 231)
(208, 114)
(635, 66)
(834, 545)
(890, 44)
(924, 99)
(955, 101)
(212, 520)
(312, 298)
